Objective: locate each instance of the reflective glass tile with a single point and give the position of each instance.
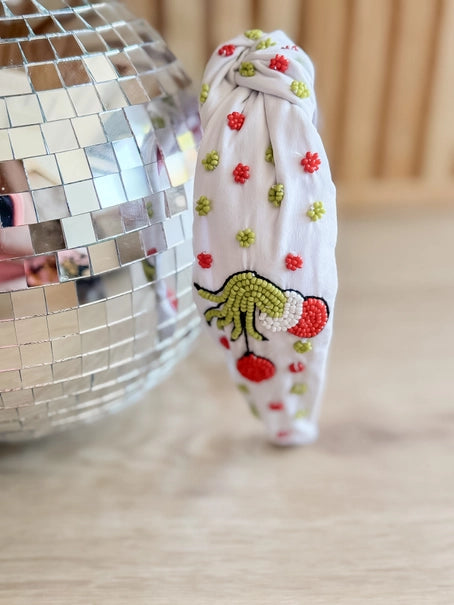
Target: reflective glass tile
(44, 76)
(79, 385)
(110, 190)
(95, 362)
(10, 54)
(120, 354)
(41, 270)
(101, 159)
(18, 399)
(10, 380)
(60, 297)
(179, 167)
(122, 64)
(36, 354)
(140, 60)
(158, 52)
(85, 100)
(92, 42)
(176, 200)
(89, 130)
(134, 215)
(119, 308)
(4, 118)
(73, 263)
(135, 183)
(50, 203)
(185, 255)
(107, 222)
(15, 242)
(7, 333)
(14, 81)
(151, 85)
(65, 370)
(111, 38)
(124, 331)
(39, 375)
(139, 121)
(127, 34)
(38, 50)
(66, 46)
(29, 303)
(6, 152)
(103, 257)
(111, 95)
(133, 91)
(127, 153)
(47, 236)
(13, 28)
(73, 72)
(95, 340)
(156, 207)
(33, 329)
(153, 239)
(9, 358)
(63, 324)
(56, 104)
(70, 21)
(92, 317)
(157, 176)
(24, 110)
(115, 125)
(43, 25)
(21, 7)
(73, 166)
(42, 171)
(93, 18)
(6, 307)
(100, 68)
(130, 247)
(59, 136)
(78, 230)
(12, 178)
(81, 197)
(26, 141)
(117, 282)
(67, 347)
(47, 393)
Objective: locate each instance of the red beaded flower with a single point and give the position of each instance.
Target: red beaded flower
(241, 173)
(205, 260)
(311, 162)
(279, 63)
(227, 50)
(297, 367)
(293, 262)
(235, 120)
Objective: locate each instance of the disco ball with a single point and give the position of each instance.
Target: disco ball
(98, 137)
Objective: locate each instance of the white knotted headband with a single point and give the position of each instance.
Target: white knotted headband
(265, 229)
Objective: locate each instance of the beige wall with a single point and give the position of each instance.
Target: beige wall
(385, 81)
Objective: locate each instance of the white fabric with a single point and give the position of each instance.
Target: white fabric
(273, 114)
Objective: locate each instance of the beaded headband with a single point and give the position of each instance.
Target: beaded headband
(265, 229)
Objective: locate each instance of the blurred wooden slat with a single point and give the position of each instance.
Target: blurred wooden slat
(331, 18)
(407, 93)
(363, 89)
(438, 158)
(184, 24)
(284, 15)
(228, 19)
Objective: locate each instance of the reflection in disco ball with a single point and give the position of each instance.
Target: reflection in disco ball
(98, 136)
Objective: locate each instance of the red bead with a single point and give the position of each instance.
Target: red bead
(276, 406)
(205, 260)
(293, 262)
(279, 63)
(297, 367)
(255, 368)
(313, 318)
(241, 173)
(225, 342)
(311, 162)
(235, 120)
(227, 50)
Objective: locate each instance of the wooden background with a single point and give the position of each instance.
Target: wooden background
(385, 73)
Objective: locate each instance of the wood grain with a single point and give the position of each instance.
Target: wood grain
(180, 500)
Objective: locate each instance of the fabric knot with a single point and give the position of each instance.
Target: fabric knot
(270, 64)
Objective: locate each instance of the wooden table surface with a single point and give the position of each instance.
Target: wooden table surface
(181, 500)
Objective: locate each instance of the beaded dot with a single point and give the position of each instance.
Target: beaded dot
(293, 262)
(203, 206)
(205, 260)
(316, 211)
(311, 162)
(241, 173)
(211, 160)
(235, 120)
(302, 346)
(279, 63)
(247, 69)
(276, 194)
(204, 93)
(227, 50)
(300, 89)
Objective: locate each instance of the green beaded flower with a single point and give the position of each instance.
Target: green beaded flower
(276, 194)
(302, 346)
(149, 207)
(246, 238)
(316, 211)
(204, 93)
(253, 34)
(299, 388)
(269, 156)
(247, 69)
(203, 206)
(265, 44)
(211, 160)
(299, 89)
